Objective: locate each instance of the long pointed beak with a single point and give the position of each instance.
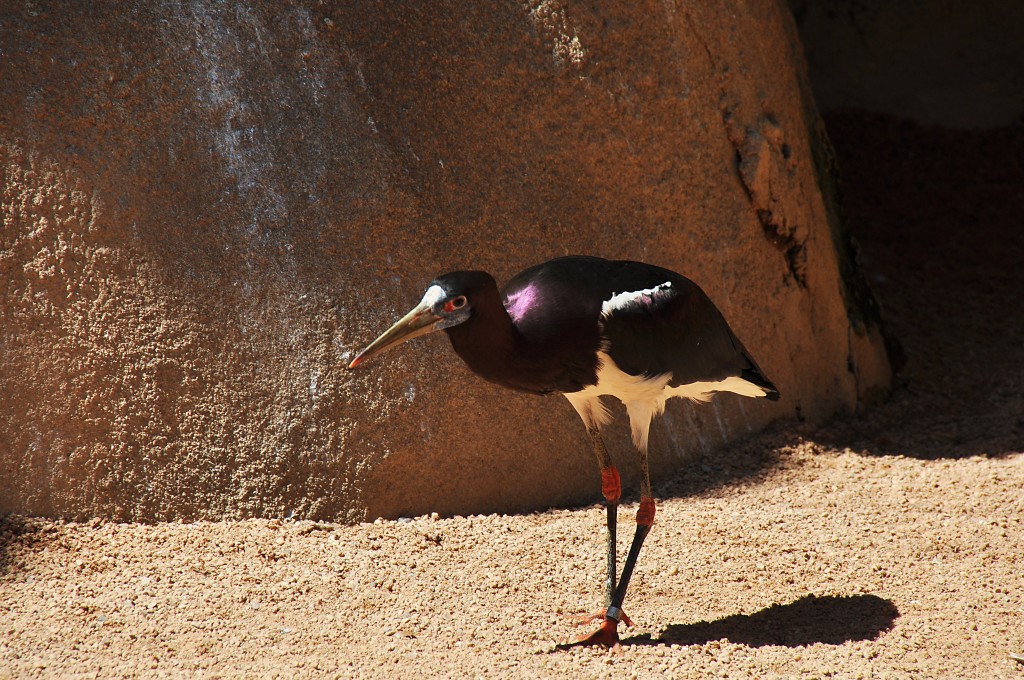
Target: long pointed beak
(419, 321)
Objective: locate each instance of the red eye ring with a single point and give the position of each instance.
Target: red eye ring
(457, 302)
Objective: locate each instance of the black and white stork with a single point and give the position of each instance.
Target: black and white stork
(586, 327)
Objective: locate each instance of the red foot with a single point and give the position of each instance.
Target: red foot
(606, 636)
(611, 484)
(587, 619)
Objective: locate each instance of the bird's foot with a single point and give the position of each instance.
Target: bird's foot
(606, 636)
(599, 615)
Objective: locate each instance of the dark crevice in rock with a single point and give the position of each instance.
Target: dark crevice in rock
(755, 166)
(760, 155)
(861, 304)
(792, 249)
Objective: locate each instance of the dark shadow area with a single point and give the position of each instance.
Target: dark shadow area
(15, 532)
(749, 461)
(937, 215)
(830, 620)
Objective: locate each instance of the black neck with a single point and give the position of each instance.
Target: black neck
(488, 342)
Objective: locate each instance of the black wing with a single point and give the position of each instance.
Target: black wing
(558, 309)
(673, 327)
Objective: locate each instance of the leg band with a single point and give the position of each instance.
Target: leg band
(613, 613)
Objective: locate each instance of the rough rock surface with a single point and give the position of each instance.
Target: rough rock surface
(206, 207)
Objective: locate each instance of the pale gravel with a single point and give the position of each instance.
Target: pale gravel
(917, 565)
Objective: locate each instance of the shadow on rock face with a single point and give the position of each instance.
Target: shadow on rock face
(942, 245)
(830, 620)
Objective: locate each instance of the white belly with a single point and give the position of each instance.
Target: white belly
(645, 397)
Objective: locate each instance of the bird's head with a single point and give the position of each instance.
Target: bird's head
(447, 302)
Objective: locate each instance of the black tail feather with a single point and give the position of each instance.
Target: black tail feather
(754, 376)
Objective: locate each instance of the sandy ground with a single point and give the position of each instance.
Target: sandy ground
(834, 565)
(883, 546)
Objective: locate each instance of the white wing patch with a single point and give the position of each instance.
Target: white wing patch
(702, 391)
(643, 396)
(641, 297)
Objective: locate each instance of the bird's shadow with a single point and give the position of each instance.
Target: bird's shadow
(830, 620)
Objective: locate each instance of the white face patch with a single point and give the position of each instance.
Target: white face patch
(639, 297)
(435, 299)
(433, 295)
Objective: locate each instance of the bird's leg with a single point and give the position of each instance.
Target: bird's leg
(644, 520)
(611, 489)
(608, 635)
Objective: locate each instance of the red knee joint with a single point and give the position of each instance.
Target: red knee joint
(611, 485)
(645, 513)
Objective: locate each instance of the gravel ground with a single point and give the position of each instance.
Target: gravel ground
(834, 564)
(883, 546)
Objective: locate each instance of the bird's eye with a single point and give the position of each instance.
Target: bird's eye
(457, 302)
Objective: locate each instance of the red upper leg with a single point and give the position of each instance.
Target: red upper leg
(645, 513)
(611, 485)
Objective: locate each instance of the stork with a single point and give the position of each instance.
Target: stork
(587, 328)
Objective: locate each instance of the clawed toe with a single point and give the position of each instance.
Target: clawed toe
(606, 636)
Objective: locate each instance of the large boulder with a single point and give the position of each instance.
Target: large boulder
(207, 206)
